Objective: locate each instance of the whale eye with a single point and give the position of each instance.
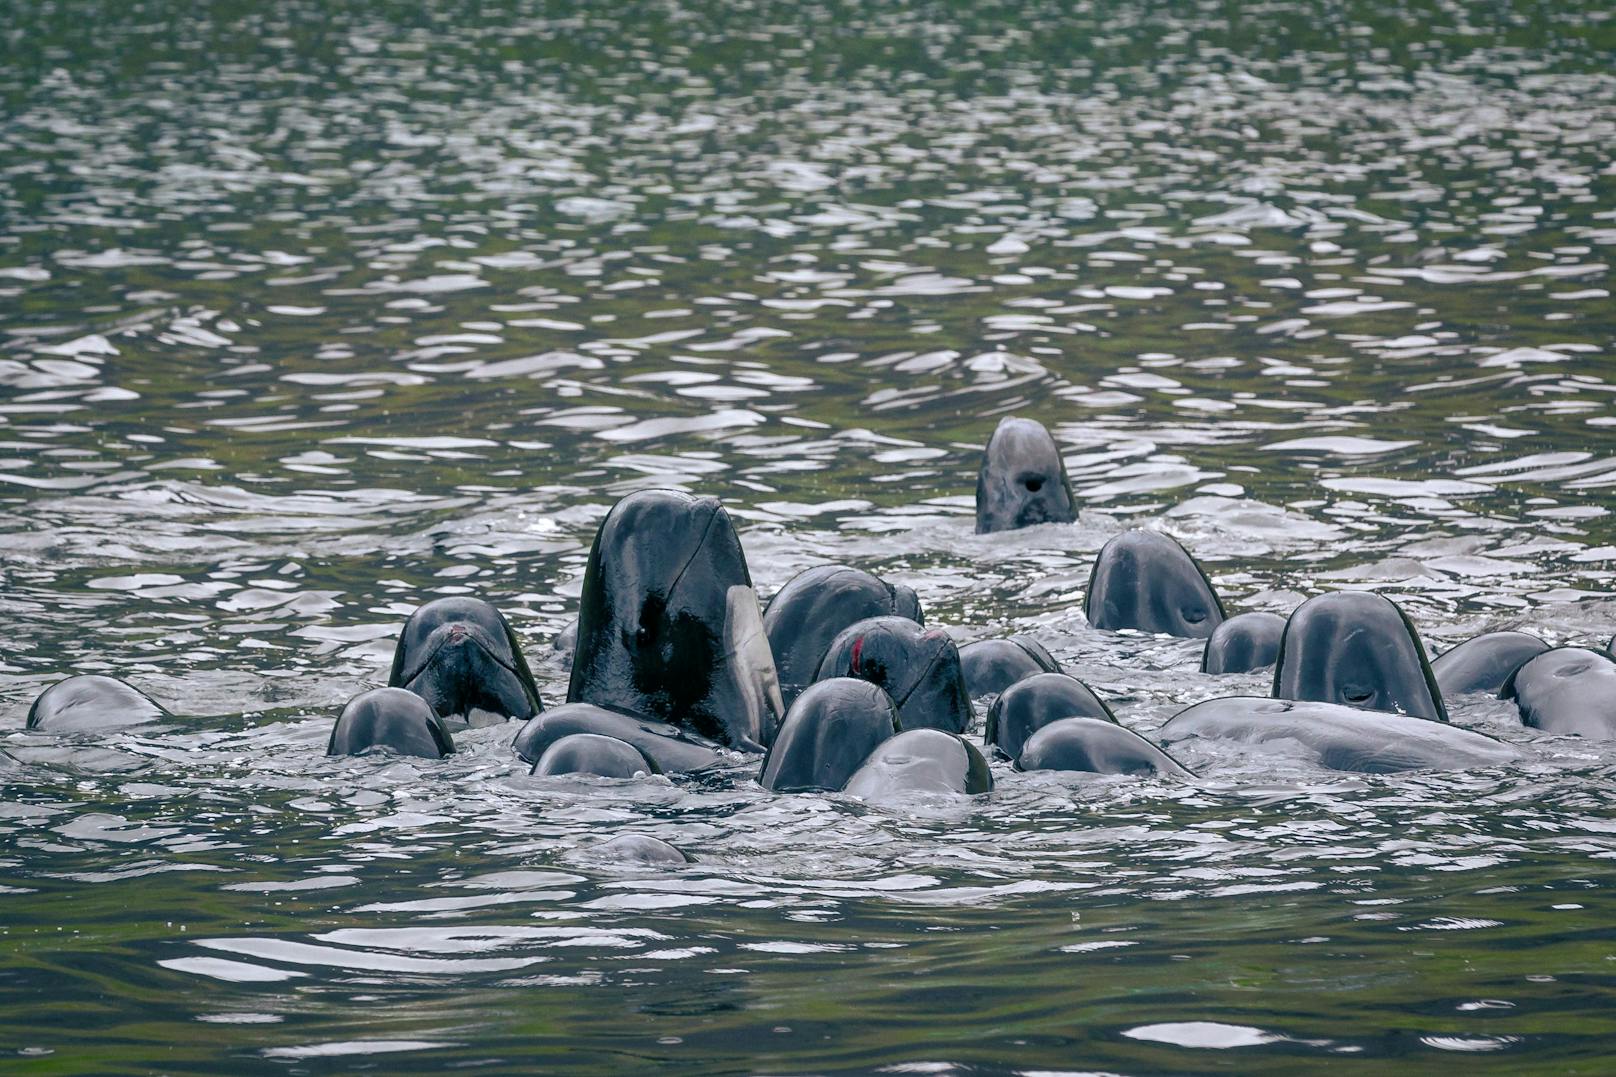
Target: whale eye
(1194, 615)
(1355, 694)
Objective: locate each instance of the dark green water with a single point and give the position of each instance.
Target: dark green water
(313, 312)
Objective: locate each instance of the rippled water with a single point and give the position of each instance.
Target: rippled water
(313, 312)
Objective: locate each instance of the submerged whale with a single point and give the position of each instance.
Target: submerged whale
(1339, 737)
(1484, 663)
(591, 753)
(921, 761)
(91, 702)
(1567, 690)
(460, 656)
(992, 665)
(828, 734)
(637, 849)
(1360, 650)
(670, 748)
(918, 667)
(1098, 746)
(668, 623)
(1022, 480)
(392, 721)
(1147, 581)
(1244, 643)
(807, 614)
(1029, 705)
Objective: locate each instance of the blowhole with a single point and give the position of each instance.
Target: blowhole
(1033, 485)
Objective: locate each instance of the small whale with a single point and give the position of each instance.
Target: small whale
(921, 761)
(1097, 746)
(672, 749)
(89, 703)
(918, 667)
(1339, 737)
(669, 626)
(1027, 706)
(460, 656)
(1244, 643)
(565, 642)
(390, 721)
(805, 616)
(638, 849)
(1567, 690)
(992, 665)
(1145, 580)
(828, 733)
(591, 753)
(1022, 480)
(1360, 650)
(1484, 663)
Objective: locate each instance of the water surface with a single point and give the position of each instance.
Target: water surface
(309, 314)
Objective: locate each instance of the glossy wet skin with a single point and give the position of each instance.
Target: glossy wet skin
(1022, 480)
(1359, 650)
(921, 761)
(1336, 736)
(668, 624)
(1567, 690)
(1484, 663)
(992, 665)
(918, 667)
(591, 753)
(670, 748)
(1243, 643)
(91, 702)
(829, 732)
(460, 656)
(1030, 704)
(1098, 746)
(1145, 580)
(806, 615)
(389, 721)
(638, 849)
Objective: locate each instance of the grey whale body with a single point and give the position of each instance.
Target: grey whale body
(91, 703)
(1338, 736)
(1097, 746)
(670, 748)
(1567, 690)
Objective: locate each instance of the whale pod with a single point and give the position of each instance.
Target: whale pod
(389, 720)
(591, 753)
(918, 667)
(807, 614)
(460, 656)
(921, 761)
(1097, 746)
(1360, 650)
(1145, 580)
(669, 626)
(1567, 690)
(1484, 663)
(670, 748)
(828, 733)
(992, 665)
(1244, 643)
(1339, 737)
(1022, 480)
(91, 702)
(1027, 706)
